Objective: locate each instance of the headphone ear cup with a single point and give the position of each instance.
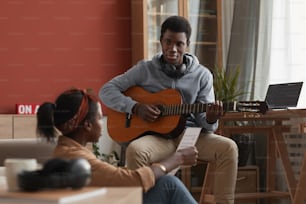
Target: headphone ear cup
(79, 173)
(182, 68)
(31, 181)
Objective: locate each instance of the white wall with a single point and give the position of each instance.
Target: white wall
(106, 144)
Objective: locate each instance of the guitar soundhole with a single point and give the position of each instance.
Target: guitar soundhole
(177, 131)
(180, 127)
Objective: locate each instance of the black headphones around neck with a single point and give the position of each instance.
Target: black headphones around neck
(172, 70)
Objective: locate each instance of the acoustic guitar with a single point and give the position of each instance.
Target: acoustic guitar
(123, 127)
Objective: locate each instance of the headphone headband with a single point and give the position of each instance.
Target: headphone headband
(172, 70)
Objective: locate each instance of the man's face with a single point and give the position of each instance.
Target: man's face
(174, 46)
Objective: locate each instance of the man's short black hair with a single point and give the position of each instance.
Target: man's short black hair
(176, 24)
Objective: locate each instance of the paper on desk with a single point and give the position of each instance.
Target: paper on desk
(189, 138)
(83, 196)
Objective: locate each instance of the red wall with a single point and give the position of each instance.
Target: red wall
(47, 46)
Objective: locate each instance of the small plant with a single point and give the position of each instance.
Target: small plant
(96, 150)
(111, 158)
(226, 85)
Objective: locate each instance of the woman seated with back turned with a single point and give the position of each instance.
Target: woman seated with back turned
(77, 115)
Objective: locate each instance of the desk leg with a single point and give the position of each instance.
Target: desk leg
(271, 163)
(186, 176)
(283, 153)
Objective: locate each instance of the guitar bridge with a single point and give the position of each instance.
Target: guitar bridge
(128, 117)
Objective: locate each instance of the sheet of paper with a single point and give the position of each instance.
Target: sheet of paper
(189, 138)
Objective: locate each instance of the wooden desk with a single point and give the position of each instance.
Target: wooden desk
(92, 195)
(114, 195)
(273, 125)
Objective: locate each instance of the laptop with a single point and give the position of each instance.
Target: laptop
(283, 96)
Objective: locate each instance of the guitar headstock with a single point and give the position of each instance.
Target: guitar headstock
(247, 106)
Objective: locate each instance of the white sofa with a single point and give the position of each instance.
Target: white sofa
(25, 148)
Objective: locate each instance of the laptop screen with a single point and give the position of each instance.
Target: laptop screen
(282, 96)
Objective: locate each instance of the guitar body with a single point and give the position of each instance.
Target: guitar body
(163, 126)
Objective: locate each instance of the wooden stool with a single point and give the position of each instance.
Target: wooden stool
(207, 187)
(300, 194)
(206, 195)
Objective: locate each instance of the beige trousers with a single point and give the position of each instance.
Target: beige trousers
(212, 148)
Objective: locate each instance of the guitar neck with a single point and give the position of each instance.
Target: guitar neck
(183, 109)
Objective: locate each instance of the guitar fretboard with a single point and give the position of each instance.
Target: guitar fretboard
(183, 109)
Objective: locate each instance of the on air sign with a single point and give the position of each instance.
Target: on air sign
(26, 108)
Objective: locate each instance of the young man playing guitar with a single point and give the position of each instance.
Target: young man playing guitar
(174, 68)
